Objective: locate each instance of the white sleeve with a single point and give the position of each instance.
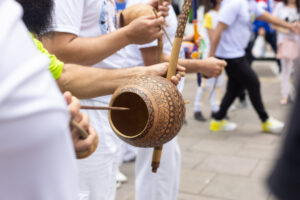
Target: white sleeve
(258, 10)
(229, 11)
(67, 16)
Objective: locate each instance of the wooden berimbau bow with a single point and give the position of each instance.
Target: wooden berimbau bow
(182, 19)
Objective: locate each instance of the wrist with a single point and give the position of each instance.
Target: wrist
(126, 32)
(142, 71)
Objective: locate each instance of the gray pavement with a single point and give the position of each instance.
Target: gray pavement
(225, 166)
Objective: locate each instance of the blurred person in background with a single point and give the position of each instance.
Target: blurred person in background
(209, 86)
(229, 42)
(288, 44)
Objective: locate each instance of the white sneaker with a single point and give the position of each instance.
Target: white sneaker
(121, 177)
(222, 125)
(272, 125)
(118, 185)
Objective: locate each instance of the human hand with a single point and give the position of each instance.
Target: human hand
(163, 9)
(191, 38)
(144, 29)
(83, 147)
(295, 27)
(162, 69)
(212, 67)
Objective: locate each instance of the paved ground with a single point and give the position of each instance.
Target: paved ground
(225, 166)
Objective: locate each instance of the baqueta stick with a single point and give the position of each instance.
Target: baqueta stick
(103, 108)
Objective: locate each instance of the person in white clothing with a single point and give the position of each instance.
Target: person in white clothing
(287, 10)
(36, 152)
(209, 85)
(84, 32)
(165, 183)
(229, 42)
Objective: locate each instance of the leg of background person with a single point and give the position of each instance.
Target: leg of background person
(198, 98)
(216, 94)
(250, 58)
(271, 38)
(242, 95)
(129, 152)
(232, 91)
(287, 66)
(164, 184)
(199, 93)
(248, 78)
(211, 83)
(98, 172)
(249, 48)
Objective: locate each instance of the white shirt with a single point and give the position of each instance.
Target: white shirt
(89, 18)
(36, 152)
(238, 15)
(287, 14)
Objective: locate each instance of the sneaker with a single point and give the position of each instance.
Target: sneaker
(232, 108)
(272, 125)
(222, 125)
(199, 117)
(121, 177)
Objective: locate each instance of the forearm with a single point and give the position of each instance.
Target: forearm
(191, 65)
(280, 29)
(215, 41)
(89, 82)
(85, 51)
(267, 17)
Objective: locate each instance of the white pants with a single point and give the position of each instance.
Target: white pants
(98, 172)
(287, 66)
(206, 86)
(127, 152)
(164, 184)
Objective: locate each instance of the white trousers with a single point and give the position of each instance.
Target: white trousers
(164, 184)
(128, 152)
(206, 86)
(287, 66)
(98, 172)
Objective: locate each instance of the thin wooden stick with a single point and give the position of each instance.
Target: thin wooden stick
(164, 30)
(103, 108)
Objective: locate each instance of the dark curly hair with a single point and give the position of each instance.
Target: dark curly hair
(37, 15)
(210, 4)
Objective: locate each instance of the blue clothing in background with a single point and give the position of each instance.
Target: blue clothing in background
(120, 6)
(258, 24)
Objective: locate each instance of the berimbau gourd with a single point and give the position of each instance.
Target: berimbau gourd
(156, 107)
